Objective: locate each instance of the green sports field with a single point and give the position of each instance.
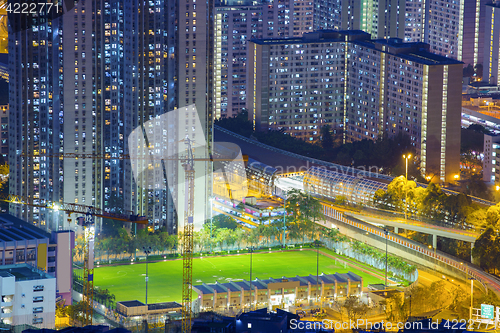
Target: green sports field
(127, 282)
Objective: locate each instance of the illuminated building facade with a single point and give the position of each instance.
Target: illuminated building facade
(81, 84)
(380, 18)
(453, 29)
(491, 70)
(363, 87)
(195, 84)
(236, 23)
(297, 83)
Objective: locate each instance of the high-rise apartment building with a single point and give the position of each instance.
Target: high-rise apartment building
(380, 18)
(81, 83)
(237, 22)
(453, 29)
(491, 70)
(363, 87)
(195, 82)
(414, 20)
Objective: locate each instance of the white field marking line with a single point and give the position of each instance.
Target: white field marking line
(211, 263)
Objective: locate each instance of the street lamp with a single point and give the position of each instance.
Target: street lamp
(284, 219)
(251, 249)
(147, 251)
(317, 244)
(211, 221)
(471, 287)
(430, 247)
(386, 235)
(406, 157)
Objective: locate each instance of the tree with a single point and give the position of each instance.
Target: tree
(354, 308)
(458, 296)
(239, 237)
(326, 138)
(223, 221)
(468, 71)
(75, 313)
(485, 249)
(239, 124)
(79, 247)
(478, 70)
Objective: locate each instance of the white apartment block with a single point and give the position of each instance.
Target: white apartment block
(364, 88)
(28, 296)
(491, 161)
(236, 23)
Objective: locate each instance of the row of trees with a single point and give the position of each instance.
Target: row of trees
(124, 244)
(430, 202)
(302, 212)
(384, 153)
(222, 234)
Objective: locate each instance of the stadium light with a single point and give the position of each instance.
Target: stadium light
(147, 251)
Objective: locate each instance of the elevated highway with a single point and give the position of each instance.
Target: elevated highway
(426, 228)
(406, 248)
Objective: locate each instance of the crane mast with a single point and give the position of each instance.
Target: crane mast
(88, 268)
(187, 240)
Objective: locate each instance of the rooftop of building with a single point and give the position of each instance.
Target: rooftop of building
(237, 3)
(15, 229)
(386, 293)
(320, 36)
(494, 4)
(414, 51)
(164, 306)
(23, 272)
(131, 304)
(262, 284)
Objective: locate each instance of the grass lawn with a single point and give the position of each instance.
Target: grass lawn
(127, 282)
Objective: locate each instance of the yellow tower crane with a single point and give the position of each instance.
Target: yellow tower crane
(187, 241)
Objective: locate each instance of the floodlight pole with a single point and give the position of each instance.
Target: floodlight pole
(147, 251)
(386, 234)
(471, 296)
(317, 270)
(250, 249)
(406, 185)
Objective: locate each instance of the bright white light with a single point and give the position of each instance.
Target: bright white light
(55, 207)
